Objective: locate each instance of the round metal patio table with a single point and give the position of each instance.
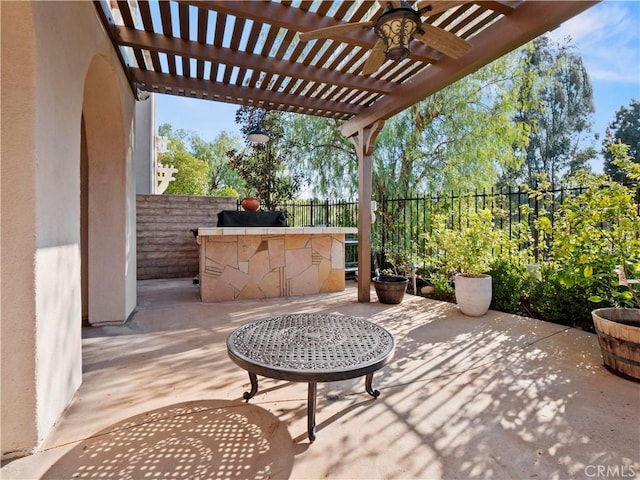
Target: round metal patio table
(311, 347)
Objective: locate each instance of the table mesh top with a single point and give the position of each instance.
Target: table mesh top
(312, 342)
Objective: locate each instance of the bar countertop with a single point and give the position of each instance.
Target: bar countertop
(208, 231)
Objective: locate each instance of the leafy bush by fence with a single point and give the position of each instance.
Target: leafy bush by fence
(398, 233)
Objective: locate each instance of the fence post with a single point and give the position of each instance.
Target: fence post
(326, 212)
(536, 233)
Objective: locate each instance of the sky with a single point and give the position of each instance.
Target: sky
(607, 36)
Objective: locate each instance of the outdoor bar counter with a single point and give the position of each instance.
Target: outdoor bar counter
(261, 262)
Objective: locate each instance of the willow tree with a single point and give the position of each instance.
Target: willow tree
(460, 138)
(320, 155)
(457, 139)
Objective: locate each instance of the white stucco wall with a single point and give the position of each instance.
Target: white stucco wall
(17, 235)
(48, 49)
(145, 145)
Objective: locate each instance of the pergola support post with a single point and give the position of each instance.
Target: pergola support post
(364, 142)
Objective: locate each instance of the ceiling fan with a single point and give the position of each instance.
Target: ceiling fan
(395, 27)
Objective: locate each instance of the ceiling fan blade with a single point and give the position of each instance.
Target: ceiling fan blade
(328, 32)
(443, 41)
(375, 60)
(437, 7)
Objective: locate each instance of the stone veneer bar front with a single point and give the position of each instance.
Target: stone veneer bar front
(261, 262)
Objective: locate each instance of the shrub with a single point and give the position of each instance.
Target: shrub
(596, 231)
(441, 285)
(510, 285)
(467, 249)
(552, 300)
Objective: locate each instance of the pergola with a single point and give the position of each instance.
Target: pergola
(249, 53)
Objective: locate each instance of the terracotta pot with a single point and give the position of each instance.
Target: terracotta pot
(390, 288)
(618, 332)
(473, 294)
(250, 204)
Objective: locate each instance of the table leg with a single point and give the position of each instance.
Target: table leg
(311, 411)
(367, 384)
(253, 378)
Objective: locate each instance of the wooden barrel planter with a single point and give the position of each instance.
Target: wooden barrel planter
(618, 332)
(390, 288)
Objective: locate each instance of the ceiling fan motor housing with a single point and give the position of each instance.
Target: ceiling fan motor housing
(395, 27)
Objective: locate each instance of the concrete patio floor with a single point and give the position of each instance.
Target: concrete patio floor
(495, 397)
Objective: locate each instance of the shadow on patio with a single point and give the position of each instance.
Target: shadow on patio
(493, 397)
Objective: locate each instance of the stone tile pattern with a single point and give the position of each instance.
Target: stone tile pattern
(165, 246)
(262, 266)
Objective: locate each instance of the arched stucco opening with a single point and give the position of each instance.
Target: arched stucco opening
(104, 224)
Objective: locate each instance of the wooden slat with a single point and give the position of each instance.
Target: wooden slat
(254, 35)
(176, 46)
(467, 22)
(234, 45)
(340, 57)
(163, 80)
(167, 29)
(147, 23)
(203, 23)
(218, 36)
(482, 24)
(282, 50)
(183, 13)
(127, 19)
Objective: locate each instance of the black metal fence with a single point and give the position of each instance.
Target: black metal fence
(398, 232)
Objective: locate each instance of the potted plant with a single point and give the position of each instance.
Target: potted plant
(597, 244)
(467, 252)
(389, 285)
(390, 288)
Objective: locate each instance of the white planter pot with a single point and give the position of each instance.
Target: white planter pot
(473, 294)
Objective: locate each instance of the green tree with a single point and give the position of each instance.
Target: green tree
(321, 156)
(557, 104)
(263, 167)
(459, 137)
(213, 153)
(192, 175)
(624, 129)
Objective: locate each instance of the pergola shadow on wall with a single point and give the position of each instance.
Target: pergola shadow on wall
(251, 53)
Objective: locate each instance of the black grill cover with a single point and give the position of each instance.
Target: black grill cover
(232, 218)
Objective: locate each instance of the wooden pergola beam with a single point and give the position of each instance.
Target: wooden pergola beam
(159, 82)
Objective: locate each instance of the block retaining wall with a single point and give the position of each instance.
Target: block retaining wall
(166, 247)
